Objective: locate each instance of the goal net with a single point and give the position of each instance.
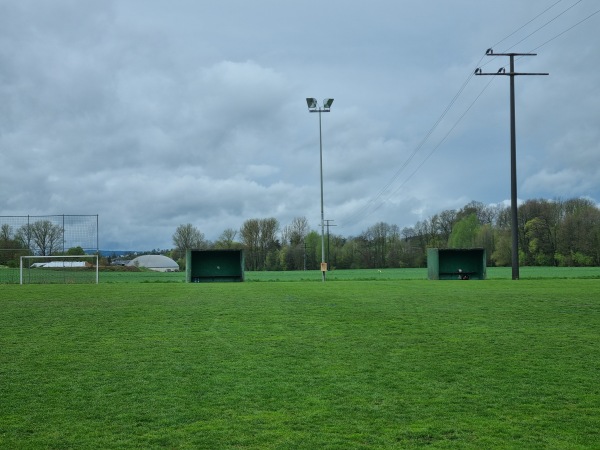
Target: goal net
(49, 235)
(78, 269)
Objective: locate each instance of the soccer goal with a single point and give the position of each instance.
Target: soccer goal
(78, 269)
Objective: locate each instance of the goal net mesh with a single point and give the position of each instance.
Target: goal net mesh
(77, 269)
(47, 236)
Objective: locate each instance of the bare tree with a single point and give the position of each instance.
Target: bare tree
(293, 239)
(259, 237)
(295, 232)
(445, 222)
(5, 232)
(187, 237)
(43, 237)
(268, 241)
(250, 235)
(227, 239)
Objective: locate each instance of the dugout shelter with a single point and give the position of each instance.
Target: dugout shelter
(456, 263)
(214, 265)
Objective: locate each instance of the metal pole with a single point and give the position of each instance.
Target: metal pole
(322, 209)
(513, 175)
(97, 251)
(97, 237)
(328, 257)
(328, 242)
(313, 106)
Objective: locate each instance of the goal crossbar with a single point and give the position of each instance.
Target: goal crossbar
(58, 259)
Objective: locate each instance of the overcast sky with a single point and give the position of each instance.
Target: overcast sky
(153, 114)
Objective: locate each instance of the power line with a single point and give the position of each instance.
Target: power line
(527, 23)
(567, 30)
(364, 210)
(382, 191)
(545, 25)
(443, 139)
(535, 31)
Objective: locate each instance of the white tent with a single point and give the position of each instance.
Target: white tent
(159, 263)
(57, 264)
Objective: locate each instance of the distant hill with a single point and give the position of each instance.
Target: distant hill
(117, 252)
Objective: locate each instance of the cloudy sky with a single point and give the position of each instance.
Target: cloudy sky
(153, 114)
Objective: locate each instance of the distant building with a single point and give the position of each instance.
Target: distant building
(158, 263)
(57, 264)
(120, 262)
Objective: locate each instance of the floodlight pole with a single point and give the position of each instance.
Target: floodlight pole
(323, 269)
(314, 107)
(513, 152)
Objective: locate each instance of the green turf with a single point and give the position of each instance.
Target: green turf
(419, 274)
(8, 276)
(300, 365)
(355, 275)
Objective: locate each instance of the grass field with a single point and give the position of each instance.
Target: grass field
(11, 276)
(493, 273)
(398, 363)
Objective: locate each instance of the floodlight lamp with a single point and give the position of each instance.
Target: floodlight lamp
(327, 103)
(312, 103)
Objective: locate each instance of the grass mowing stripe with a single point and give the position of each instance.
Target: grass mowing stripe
(301, 365)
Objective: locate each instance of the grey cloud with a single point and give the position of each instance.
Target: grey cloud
(152, 115)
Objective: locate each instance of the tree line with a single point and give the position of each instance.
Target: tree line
(550, 232)
(42, 238)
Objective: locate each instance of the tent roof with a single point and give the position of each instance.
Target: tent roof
(154, 262)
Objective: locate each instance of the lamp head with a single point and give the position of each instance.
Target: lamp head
(327, 103)
(312, 103)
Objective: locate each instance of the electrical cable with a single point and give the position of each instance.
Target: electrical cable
(527, 23)
(382, 191)
(445, 136)
(363, 211)
(567, 30)
(543, 26)
(530, 34)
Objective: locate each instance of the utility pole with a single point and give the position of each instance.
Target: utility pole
(328, 225)
(513, 150)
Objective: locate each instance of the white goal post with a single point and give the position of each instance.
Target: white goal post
(59, 269)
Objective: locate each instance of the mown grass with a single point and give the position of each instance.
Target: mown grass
(11, 276)
(344, 365)
(500, 273)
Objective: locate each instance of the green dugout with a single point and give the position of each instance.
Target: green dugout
(214, 265)
(456, 263)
